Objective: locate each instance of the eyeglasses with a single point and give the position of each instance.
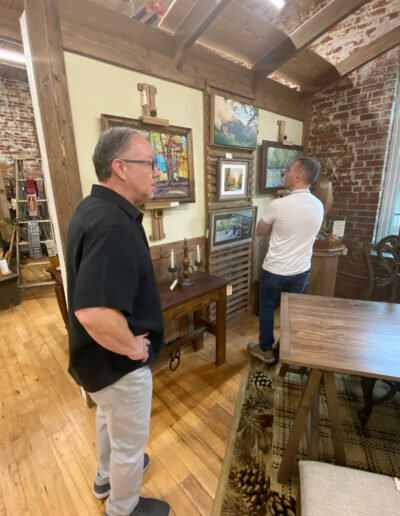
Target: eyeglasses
(151, 164)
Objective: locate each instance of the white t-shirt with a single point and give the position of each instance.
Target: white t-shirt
(296, 220)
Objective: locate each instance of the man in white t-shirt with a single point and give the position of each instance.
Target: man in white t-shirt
(293, 223)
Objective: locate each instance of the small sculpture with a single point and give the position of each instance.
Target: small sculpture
(323, 187)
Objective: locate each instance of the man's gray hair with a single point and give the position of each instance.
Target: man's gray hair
(112, 144)
(309, 168)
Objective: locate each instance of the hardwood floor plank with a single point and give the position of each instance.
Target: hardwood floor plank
(47, 434)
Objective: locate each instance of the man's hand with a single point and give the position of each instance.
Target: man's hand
(140, 348)
(109, 328)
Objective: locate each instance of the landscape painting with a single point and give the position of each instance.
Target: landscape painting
(276, 159)
(230, 228)
(173, 155)
(233, 179)
(233, 123)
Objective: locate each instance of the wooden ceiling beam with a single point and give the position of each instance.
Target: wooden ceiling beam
(370, 51)
(201, 68)
(195, 23)
(106, 21)
(307, 33)
(9, 24)
(357, 59)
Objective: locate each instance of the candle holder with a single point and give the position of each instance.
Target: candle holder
(198, 264)
(173, 271)
(186, 281)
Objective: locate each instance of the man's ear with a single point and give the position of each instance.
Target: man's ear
(118, 168)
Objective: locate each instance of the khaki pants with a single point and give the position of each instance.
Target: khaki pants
(122, 427)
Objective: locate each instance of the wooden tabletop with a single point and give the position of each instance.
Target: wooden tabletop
(204, 283)
(342, 335)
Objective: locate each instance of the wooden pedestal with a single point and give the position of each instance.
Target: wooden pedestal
(324, 266)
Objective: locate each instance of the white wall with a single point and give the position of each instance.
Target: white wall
(96, 87)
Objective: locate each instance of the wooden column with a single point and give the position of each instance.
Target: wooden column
(40, 26)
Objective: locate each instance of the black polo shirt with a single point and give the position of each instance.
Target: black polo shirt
(109, 265)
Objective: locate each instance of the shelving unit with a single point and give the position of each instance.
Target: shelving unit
(22, 215)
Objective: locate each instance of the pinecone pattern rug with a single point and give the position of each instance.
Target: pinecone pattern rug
(264, 414)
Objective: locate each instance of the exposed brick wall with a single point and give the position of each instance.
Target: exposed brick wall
(17, 129)
(355, 117)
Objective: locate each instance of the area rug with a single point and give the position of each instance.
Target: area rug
(263, 417)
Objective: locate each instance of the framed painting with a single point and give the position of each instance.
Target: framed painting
(233, 123)
(173, 153)
(232, 179)
(231, 228)
(276, 159)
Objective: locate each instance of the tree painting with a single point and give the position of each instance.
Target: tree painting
(278, 161)
(233, 181)
(235, 124)
(173, 154)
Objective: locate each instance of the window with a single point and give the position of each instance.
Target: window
(389, 216)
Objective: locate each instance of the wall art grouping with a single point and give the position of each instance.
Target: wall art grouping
(233, 123)
(173, 154)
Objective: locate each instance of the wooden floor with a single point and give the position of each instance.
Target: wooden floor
(47, 438)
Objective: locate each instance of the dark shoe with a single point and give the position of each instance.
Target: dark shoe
(266, 356)
(150, 507)
(102, 491)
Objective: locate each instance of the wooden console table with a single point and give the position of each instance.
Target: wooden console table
(182, 301)
(178, 303)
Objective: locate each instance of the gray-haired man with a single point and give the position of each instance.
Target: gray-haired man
(116, 326)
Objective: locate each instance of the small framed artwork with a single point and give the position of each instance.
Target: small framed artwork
(231, 228)
(233, 179)
(173, 153)
(233, 123)
(276, 159)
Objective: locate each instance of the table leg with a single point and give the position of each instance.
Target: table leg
(313, 428)
(197, 323)
(334, 416)
(310, 389)
(220, 323)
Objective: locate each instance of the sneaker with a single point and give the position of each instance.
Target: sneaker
(266, 356)
(102, 491)
(150, 507)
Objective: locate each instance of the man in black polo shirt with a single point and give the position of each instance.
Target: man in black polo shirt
(116, 326)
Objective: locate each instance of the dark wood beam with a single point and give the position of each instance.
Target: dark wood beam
(370, 51)
(306, 34)
(195, 23)
(45, 55)
(9, 24)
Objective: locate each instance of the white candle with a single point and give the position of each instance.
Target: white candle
(198, 252)
(172, 259)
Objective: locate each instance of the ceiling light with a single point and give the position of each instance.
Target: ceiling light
(278, 3)
(14, 57)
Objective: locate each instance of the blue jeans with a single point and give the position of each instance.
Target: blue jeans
(271, 286)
